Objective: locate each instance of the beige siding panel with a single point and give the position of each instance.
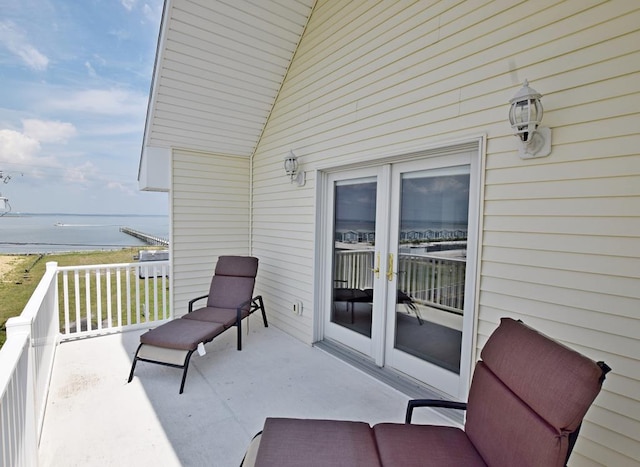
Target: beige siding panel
(561, 235)
(210, 217)
(623, 266)
(227, 56)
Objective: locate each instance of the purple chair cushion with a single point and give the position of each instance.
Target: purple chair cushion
(224, 316)
(425, 445)
(230, 291)
(558, 383)
(240, 266)
(181, 334)
(505, 431)
(288, 442)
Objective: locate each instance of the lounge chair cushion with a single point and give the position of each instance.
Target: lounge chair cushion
(290, 442)
(225, 290)
(528, 392)
(182, 334)
(243, 266)
(234, 277)
(225, 316)
(496, 419)
(420, 445)
(525, 361)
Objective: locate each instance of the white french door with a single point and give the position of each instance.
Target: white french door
(401, 241)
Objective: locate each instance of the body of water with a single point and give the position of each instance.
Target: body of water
(47, 233)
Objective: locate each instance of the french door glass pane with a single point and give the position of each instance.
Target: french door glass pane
(353, 254)
(434, 211)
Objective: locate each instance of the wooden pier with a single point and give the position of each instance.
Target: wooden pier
(148, 239)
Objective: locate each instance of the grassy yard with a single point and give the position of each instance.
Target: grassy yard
(18, 283)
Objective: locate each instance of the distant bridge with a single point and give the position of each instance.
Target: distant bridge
(148, 239)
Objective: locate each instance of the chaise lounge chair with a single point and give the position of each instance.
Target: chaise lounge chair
(526, 404)
(229, 301)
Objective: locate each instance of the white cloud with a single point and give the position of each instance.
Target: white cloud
(82, 174)
(17, 148)
(120, 34)
(15, 41)
(90, 70)
(128, 4)
(117, 186)
(114, 102)
(153, 13)
(48, 131)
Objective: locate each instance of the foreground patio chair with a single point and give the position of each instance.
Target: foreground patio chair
(526, 404)
(229, 301)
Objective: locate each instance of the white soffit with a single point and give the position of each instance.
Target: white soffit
(219, 67)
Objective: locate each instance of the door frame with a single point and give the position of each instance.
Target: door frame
(322, 270)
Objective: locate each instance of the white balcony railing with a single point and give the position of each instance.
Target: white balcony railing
(88, 300)
(109, 298)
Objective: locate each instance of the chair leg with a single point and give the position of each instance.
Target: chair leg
(412, 307)
(264, 313)
(133, 365)
(184, 373)
(256, 304)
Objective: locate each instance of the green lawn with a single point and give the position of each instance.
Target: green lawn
(17, 285)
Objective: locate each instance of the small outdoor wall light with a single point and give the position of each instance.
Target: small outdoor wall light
(291, 168)
(525, 116)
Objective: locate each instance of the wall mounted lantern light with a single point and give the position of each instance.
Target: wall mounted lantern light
(291, 168)
(525, 116)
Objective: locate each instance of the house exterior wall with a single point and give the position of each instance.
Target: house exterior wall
(209, 211)
(561, 235)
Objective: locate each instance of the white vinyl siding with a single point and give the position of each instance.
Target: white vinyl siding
(218, 78)
(561, 237)
(210, 217)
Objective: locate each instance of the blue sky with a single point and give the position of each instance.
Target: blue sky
(74, 85)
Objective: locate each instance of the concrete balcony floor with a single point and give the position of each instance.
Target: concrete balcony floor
(94, 417)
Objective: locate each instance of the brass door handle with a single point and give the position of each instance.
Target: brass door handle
(376, 269)
(390, 268)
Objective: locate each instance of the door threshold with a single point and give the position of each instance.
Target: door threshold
(398, 381)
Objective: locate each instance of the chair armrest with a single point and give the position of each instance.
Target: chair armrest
(191, 302)
(437, 403)
(242, 305)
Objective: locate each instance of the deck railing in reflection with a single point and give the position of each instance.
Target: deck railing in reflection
(429, 279)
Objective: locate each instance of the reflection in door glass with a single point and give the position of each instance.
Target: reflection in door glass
(353, 254)
(431, 265)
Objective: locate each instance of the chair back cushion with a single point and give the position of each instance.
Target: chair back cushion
(528, 394)
(233, 281)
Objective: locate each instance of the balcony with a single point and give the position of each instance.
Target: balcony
(65, 398)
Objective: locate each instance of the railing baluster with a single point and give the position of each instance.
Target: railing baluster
(155, 293)
(76, 287)
(99, 297)
(146, 293)
(87, 287)
(137, 284)
(119, 296)
(108, 293)
(128, 283)
(65, 290)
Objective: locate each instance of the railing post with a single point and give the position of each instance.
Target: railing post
(53, 266)
(20, 328)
